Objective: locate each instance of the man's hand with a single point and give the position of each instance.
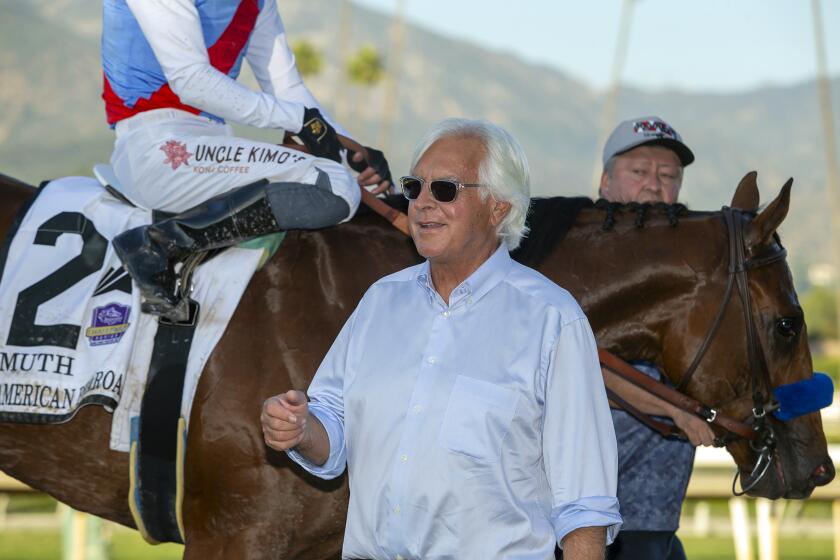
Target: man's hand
(697, 430)
(319, 136)
(372, 168)
(285, 419)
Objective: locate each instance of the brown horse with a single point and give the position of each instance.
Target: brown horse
(651, 284)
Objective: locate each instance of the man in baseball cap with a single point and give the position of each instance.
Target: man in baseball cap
(643, 162)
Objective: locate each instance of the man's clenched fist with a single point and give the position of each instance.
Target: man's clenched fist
(285, 419)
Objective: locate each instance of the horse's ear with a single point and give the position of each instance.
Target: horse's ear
(746, 195)
(766, 223)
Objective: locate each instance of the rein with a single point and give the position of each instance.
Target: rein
(682, 401)
(394, 216)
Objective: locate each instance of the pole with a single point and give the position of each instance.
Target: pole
(833, 184)
(345, 32)
(609, 110)
(740, 518)
(392, 76)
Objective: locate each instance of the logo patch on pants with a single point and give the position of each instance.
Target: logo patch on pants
(176, 154)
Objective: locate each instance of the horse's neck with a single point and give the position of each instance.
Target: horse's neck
(637, 285)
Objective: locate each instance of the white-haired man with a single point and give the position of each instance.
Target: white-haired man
(643, 162)
(486, 433)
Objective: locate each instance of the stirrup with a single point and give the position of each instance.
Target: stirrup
(185, 312)
(176, 312)
(165, 310)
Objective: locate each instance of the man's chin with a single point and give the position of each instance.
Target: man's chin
(650, 200)
(429, 253)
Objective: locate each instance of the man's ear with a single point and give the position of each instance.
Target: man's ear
(602, 188)
(499, 211)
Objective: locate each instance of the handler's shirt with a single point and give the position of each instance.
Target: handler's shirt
(485, 432)
(653, 471)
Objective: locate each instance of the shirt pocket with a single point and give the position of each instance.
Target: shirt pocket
(477, 418)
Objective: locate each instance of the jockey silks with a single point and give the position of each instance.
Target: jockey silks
(187, 54)
(169, 84)
(134, 80)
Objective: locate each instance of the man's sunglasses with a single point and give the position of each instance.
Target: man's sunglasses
(443, 190)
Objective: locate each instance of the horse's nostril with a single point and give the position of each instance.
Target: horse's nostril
(823, 474)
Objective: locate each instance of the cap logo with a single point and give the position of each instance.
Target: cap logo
(658, 128)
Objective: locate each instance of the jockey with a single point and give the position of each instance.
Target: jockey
(170, 69)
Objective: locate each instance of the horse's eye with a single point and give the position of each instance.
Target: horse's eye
(787, 326)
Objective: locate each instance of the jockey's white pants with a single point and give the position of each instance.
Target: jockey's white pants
(171, 160)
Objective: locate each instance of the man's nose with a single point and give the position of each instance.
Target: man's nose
(425, 198)
(654, 184)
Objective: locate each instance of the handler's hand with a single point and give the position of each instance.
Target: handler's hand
(372, 168)
(285, 419)
(698, 431)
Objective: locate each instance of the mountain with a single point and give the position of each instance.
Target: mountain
(52, 119)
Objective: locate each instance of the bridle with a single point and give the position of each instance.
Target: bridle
(757, 430)
(764, 441)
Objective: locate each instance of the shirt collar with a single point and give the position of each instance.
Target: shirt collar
(485, 278)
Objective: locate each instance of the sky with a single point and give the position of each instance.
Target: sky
(693, 45)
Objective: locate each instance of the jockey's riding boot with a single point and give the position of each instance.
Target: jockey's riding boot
(152, 253)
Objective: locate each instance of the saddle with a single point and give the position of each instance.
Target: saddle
(71, 334)
(269, 244)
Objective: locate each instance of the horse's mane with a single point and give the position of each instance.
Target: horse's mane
(548, 222)
(642, 212)
(550, 219)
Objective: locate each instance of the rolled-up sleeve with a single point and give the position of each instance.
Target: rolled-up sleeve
(326, 402)
(579, 446)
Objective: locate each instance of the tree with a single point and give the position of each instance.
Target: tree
(309, 59)
(366, 68)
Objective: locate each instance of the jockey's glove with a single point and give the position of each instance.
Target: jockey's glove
(319, 136)
(376, 160)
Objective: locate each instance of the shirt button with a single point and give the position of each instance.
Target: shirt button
(404, 458)
(446, 313)
(399, 557)
(417, 408)
(431, 359)
(469, 301)
(397, 509)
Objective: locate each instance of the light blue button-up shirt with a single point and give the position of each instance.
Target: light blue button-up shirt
(474, 430)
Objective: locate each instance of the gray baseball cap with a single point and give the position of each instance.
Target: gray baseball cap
(633, 133)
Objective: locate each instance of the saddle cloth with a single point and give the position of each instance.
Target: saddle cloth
(71, 331)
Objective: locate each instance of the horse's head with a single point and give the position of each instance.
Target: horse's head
(708, 298)
(745, 362)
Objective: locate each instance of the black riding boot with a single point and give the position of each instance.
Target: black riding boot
(151, 253)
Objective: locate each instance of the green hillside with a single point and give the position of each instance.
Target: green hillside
(52, 120)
